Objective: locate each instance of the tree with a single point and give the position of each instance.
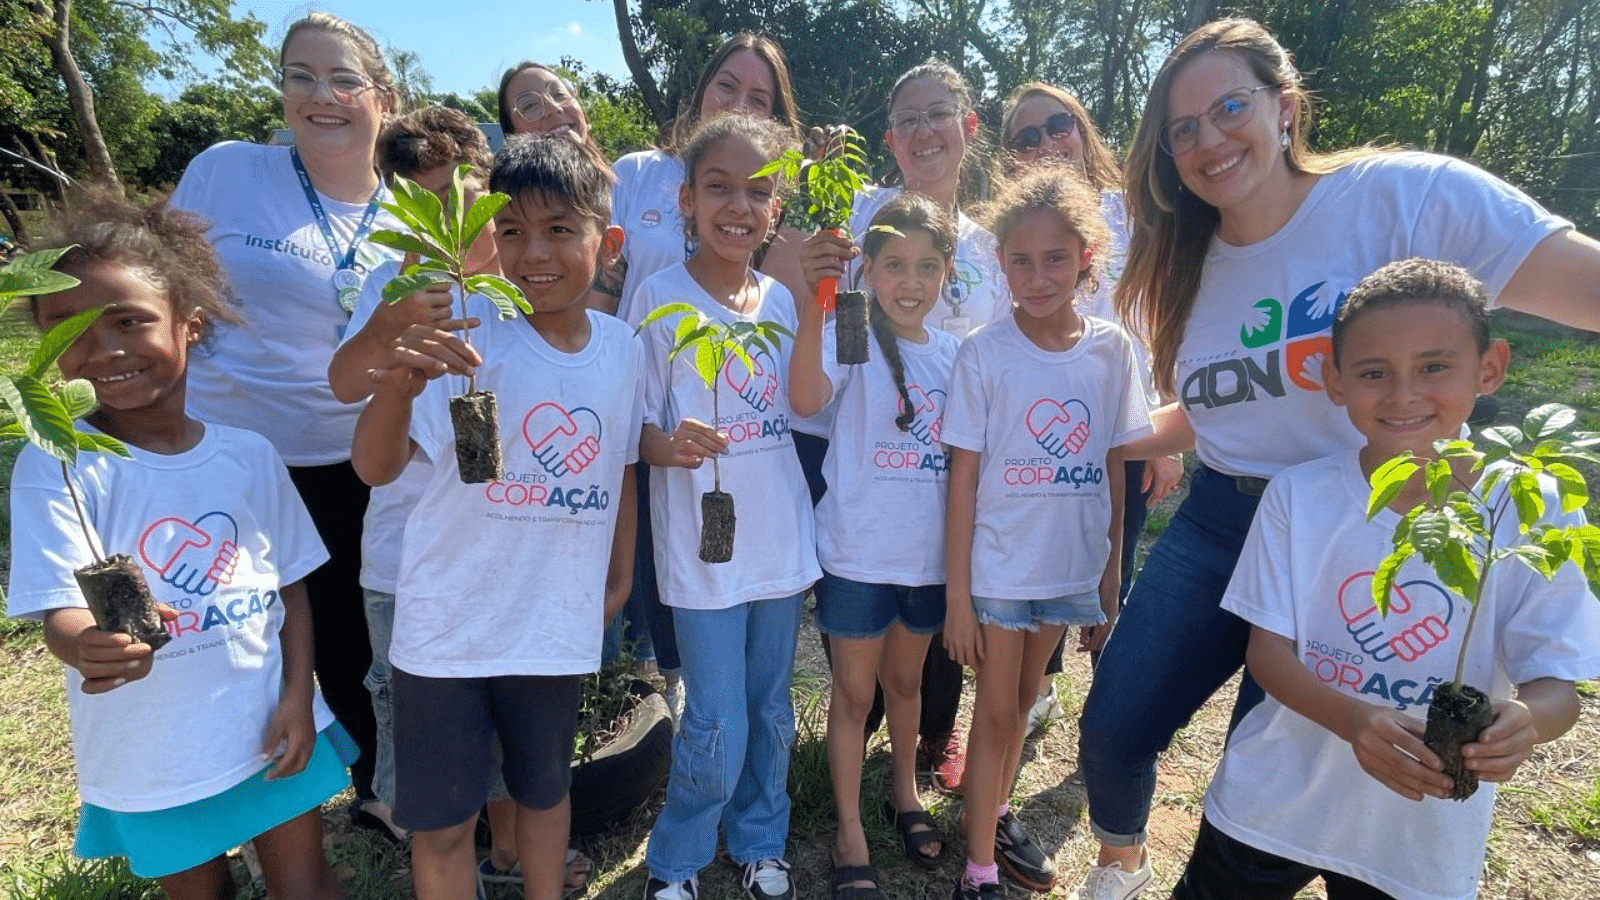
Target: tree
(204, 114)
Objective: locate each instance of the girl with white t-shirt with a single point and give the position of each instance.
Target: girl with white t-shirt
(736, 622)
(881, 597)
(187, 751)
(1038, 405)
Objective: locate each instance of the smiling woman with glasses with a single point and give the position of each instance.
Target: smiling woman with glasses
(535, 99)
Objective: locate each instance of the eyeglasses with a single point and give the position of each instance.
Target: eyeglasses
(1230, 113)
(530, 104)
(345, 88)
(1031, 138)
(941, 115)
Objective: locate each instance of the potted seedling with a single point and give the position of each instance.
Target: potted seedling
(46, 416)
(712, 345)
(1456, 529)
(825, 187)
(440, 236)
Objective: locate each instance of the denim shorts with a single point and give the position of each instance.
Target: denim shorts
(856, 610)
(1028, 615)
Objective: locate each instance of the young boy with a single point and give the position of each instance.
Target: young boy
(1328, 775)
(502, 590)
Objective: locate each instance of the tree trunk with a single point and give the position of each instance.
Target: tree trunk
(648, 89)
(59, 41)
(13, 218)
(1460, 136)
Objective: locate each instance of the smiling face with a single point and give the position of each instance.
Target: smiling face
(321, 124)
(136, 353)
(1230, 169)
(548, 249)
(732, 212)
(556, 110)
(1035, 111)
(907, 275)
(929, 150)
(742, 83)
(1042, 259)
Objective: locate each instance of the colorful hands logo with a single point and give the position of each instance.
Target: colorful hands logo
(1302, 331)
(1060, 428)
(564, 443)
(758, 384)
(192, 557)
(928, 407)
(1418, 621)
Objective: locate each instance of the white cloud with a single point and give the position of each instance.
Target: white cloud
(575, 29)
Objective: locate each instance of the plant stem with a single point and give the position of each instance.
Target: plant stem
(716, 470)
(1477, 593)
(83, 521)
(466, 332)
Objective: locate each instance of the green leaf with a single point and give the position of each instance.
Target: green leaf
(707, 363)
(455, 207)
(31, 275)
(1430, 531)
(1388, 480)
(1551, 418)
(1527, 497)
(43, 418)
(667, 309)
(1438, 475)
(1508, 436)
(1570, 485)
(1383, 578)
(58, 339)
(407, 243)
(403, 286)
(77, 397)
(481, 214)
(502, 293)
(1458, 570)
(423, 211)
(95, 442)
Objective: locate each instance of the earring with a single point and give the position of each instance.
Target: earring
(1283, 137)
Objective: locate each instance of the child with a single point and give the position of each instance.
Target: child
(474, 654)
(185, 753)
(1037, 404)
(881, 597)
(737, 621)
(1411, 351)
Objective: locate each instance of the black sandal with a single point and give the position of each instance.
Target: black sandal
(845, 887)
(913, 842)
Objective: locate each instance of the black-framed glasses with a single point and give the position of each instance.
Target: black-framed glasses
(936, 117)
(345, 88)
(530, 104)
(1232, 111)
(1032, 138)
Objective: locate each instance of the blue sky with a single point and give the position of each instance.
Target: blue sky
(462, 58)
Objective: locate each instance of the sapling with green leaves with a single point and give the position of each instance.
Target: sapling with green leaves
(45, 416)
(1457, 531)
(440, 236)
(712, 345)
(825, 189)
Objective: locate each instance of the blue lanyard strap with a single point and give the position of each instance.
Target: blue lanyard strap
(345, 260)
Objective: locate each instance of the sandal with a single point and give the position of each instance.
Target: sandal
(578, 869)
(913, 841)
(360, 818)
(845, 885)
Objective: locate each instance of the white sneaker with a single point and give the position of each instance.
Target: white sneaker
(1045, 709)
(768, 879)
(1110, 882)
(673, 694)
(656, 889)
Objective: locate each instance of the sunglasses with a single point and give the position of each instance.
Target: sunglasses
(1032, 138)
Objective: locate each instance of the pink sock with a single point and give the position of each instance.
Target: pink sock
(1004, 808)
(977, 874)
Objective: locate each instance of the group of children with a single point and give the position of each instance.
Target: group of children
(973, 485)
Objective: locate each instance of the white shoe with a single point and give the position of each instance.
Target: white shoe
(1045, 709)
(768, 879)
(656, 889)
(1110, 882)
(673, 694)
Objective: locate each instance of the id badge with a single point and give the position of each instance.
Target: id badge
(959, 326)
(347, 288)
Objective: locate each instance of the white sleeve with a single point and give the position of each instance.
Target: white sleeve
(1548, 629)
(1262, 590)
(966, 409)
(657, 374)
(637, 380)
(431, 428)
(1133, 413)
(1474, 219)
(296, 548)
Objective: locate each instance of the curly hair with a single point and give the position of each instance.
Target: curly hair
(1410, 281)
(431, 137)
(1062, 191)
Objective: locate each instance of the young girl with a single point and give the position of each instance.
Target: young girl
(736, 621)
(881, 597)
(1038, 402)
(185, 753)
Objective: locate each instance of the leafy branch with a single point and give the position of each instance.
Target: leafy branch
(825, 189)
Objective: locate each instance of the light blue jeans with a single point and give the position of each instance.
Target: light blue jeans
(380, 630)
(730, 758)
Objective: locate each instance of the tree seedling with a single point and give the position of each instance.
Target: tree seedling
(825, 189)
(46, 417)
(1456, 531)
(713, 345)
(440, 236)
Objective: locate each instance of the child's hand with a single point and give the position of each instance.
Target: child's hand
(425, 307)
(1389, 747)
(107, 660)
(694, 441)
(963, 639)
(1504, 745)
(291, 735)
(825, 255)
(1092, 638)
(423, 352)
(1161, 477)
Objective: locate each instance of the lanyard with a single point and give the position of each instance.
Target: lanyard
(347, 259)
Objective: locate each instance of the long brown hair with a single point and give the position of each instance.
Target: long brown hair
(1099, 163)
(785, 111)
(1171, 227)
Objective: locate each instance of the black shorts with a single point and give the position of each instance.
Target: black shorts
(1222, 868)
(442, 732)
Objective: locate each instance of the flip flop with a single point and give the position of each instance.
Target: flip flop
(488, 873)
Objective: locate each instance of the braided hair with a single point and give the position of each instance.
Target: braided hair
(906, 212)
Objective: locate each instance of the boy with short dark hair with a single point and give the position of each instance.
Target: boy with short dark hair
(1329, 776)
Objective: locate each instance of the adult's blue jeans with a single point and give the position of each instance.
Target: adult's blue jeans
(730, 757)
(1172, 648)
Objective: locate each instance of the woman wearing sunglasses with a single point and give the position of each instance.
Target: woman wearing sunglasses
(290, 226)
(1244, 245)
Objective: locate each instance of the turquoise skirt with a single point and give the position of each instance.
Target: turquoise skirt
(164, 842)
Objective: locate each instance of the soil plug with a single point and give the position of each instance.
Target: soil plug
(1457, 714)
(477, 426)
(119, 599)
(851, 329)
(716, 527)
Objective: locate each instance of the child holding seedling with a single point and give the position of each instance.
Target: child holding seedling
(881, 597)
(737, 621)
(475, 654)
(187, 752)
(1329, 775)
(1038, 403)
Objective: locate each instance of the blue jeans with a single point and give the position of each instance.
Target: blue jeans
(1172, 648)
(730, 758)
(380, 630)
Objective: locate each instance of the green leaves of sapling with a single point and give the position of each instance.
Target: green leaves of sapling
(825, 188)
(45, 416)
(32, 274)
(712, 343)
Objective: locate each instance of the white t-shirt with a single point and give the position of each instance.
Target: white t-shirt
(1250, 361)
(270, 375)
(882, 519)
(644, 204)
(508, 578)
(1290, 787)
(1102, 303)
(774, 547)
(218, 530)
(974, 295)
(1043, 422)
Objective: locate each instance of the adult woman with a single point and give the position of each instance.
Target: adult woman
(535, 99)
(1244, 243)
(290, 227)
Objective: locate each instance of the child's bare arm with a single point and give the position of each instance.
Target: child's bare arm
(105, 659)
(809, 387)
(1387, 744)
(619, 571)
(382, 445)
(1542, 711)
(961, 634)
(1094, 638)
(292, 732)
(689, 445)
